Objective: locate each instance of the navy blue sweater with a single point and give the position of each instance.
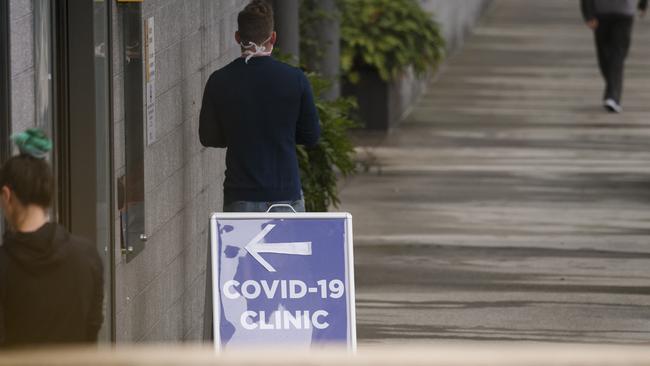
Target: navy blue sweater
(259, 111)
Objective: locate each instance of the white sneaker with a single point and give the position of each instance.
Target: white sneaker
(612, 106)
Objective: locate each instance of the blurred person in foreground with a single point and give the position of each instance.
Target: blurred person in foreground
(51, 284)
(612, 21)
(259, 108)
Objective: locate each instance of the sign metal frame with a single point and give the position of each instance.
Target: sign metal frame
(349, 263)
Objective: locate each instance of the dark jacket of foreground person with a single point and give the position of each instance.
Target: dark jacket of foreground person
(51, 288)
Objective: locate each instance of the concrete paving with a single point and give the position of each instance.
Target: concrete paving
(509, 206)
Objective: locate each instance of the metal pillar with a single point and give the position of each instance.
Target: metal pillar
(328, 32)
(287, 26)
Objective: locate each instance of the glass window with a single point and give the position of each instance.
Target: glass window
(132, 199)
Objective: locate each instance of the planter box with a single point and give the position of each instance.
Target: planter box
(379, 101)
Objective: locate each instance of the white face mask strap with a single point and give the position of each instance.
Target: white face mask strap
(260, 50)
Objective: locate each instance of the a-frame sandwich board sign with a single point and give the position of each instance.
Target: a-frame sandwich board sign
(282, 279)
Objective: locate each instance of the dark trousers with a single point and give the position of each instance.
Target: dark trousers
(613, 37)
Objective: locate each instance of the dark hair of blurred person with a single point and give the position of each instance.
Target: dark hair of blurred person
(51, 282)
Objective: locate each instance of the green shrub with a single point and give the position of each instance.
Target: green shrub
(312, 18)
(389, 36)
(320, 166)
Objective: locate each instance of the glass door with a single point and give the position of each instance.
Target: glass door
(83, 131)
(72, 102)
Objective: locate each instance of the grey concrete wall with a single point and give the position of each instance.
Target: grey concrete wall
(456, 19)
(160, 293)
(21, 17)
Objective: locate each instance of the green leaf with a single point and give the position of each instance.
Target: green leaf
(388, 35)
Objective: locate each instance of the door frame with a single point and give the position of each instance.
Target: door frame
(5, 83)
(75, 127)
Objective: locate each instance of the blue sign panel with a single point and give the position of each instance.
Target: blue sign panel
(282, 279)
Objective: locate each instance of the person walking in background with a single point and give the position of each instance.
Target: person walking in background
(611, 21)
(259, 109)
(51, 283)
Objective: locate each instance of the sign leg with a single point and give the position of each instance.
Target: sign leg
(208, 331)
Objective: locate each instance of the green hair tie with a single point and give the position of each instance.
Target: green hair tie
(33, 142)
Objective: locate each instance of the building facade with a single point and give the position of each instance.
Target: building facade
(118, 86)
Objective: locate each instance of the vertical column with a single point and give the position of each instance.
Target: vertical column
(328, 32)
(287, 25)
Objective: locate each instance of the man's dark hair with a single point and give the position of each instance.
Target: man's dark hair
(255, 22)
(29, 178)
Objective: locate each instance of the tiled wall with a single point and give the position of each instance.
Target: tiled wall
(160, 293)
(21, 17)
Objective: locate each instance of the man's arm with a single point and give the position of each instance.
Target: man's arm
(210, 129)
(308, 126)
(643, 6)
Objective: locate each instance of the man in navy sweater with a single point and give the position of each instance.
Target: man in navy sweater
(259, 109)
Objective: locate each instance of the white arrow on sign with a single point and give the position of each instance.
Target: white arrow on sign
(254, 247)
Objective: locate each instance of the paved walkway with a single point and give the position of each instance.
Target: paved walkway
(509, 205)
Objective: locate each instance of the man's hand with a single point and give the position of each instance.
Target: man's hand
(592, 24)
(641, 13)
